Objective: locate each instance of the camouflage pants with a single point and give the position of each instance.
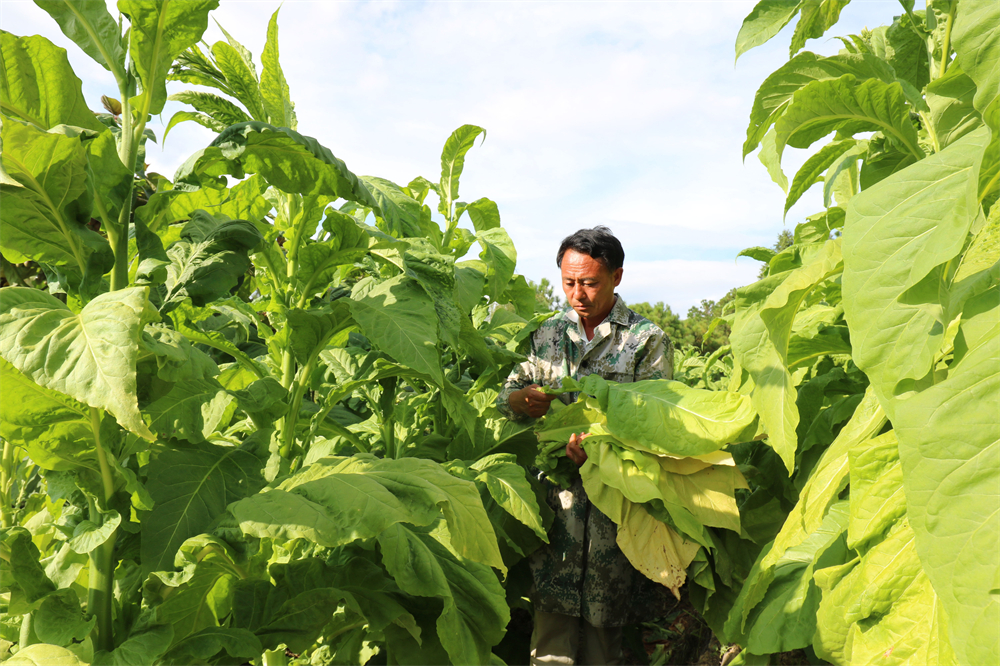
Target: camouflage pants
(583, 573)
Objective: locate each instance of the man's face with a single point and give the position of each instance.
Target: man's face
(589, 286)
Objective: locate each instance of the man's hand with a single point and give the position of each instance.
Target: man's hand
(530, 401)
(574, 451)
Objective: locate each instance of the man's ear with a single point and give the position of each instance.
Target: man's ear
(618, 275)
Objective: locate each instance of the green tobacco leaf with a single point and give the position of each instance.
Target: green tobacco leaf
(882, 609)
(399, 317)
(452, 164)
(89, 24)
(43, 654)
(192, 486)
(88, 535)
(500, 257)
(768, 156)
(948, 444)
(293, 163)
(842, 179)
(160, 30)
(208, 259)
(89, 356)
(484, 214)
(470, 281)
(976, 40)
(218, 108)
(38, 85)
(764, 22)
(475, 611)
(950, 101)
(846, 106)
(760, 339)
(273, 86)
(436, 274)
(237, 67)
(109, 178)
(191, 411)
(827, 480)
(812, 171)
(817, 228)
(60, 620)
(195, 599)
(877, 499)
(668, 417)
(45, 218)
(507, 484)
(141, 647)
(764, 254)
(210, 642)
(24, 568)
(326, 503)
(896, 233)
(777, 90)
(54, 429)
(309, 331)
(265, 399)
(241, 202)
(817, 16)
(400, 214)
(202, 119)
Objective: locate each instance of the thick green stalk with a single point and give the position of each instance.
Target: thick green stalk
(6, 469)
(102, 573)
(946, 46)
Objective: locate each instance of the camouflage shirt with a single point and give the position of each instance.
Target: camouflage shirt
(582, 572)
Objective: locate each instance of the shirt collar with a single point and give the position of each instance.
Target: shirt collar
(619, 315)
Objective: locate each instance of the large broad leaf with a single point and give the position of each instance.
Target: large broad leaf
(484, 213)
(452, 164)
(950, 101)
(475, 612)
(436, 274)
(159, 30)
(977, 48)
(817, 16)
(191, 411)
(764, 22)
(882, 609)
(273, 86)
(89, 24)
(896, 234)
(336, 501)
(400, 214)
(287, 160)
(241, 202)
(399, 317)
(43, 654)
(761, 338)
(776, 92)
(199, 647)
(89, 356)
(847, 106)
(192, 486)
(54, 429)
(949, 443)
(141, 647)
(208, 259)
(507, 484)
(44, 219)
(38, 85)
(500, 257)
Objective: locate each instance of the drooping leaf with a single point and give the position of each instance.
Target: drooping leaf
(192, 485)
(764, 22)
(847, 106)
(192, 600)
(89, 356)
(812, 171)
(399, 317)
(293, 163)
(89, 24)
(817, 16)
(484, 213)
(506, 482)
(768, 156)
(24, 569)
(220, 109)
(273, 86)
(500, 257)
(53, 428)
(976, 40)
(436, 274)
(400, 214)
(950, 101)
(159, 30)
(842, 180)
(44, 219)
(326, 502)
(475, 611)
(38, 85)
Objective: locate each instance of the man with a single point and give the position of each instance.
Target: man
(585, 590)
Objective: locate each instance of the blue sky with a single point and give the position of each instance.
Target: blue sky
(629, 114)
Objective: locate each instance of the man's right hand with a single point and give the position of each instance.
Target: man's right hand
(530, 401)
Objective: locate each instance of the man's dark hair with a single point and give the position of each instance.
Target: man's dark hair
(598, 243)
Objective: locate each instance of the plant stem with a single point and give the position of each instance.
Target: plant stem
(102, 575)
(946, 47)
(6, 468)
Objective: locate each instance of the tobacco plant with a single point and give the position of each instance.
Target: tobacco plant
(251, 415)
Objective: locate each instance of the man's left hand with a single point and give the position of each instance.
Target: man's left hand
(574, 451)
